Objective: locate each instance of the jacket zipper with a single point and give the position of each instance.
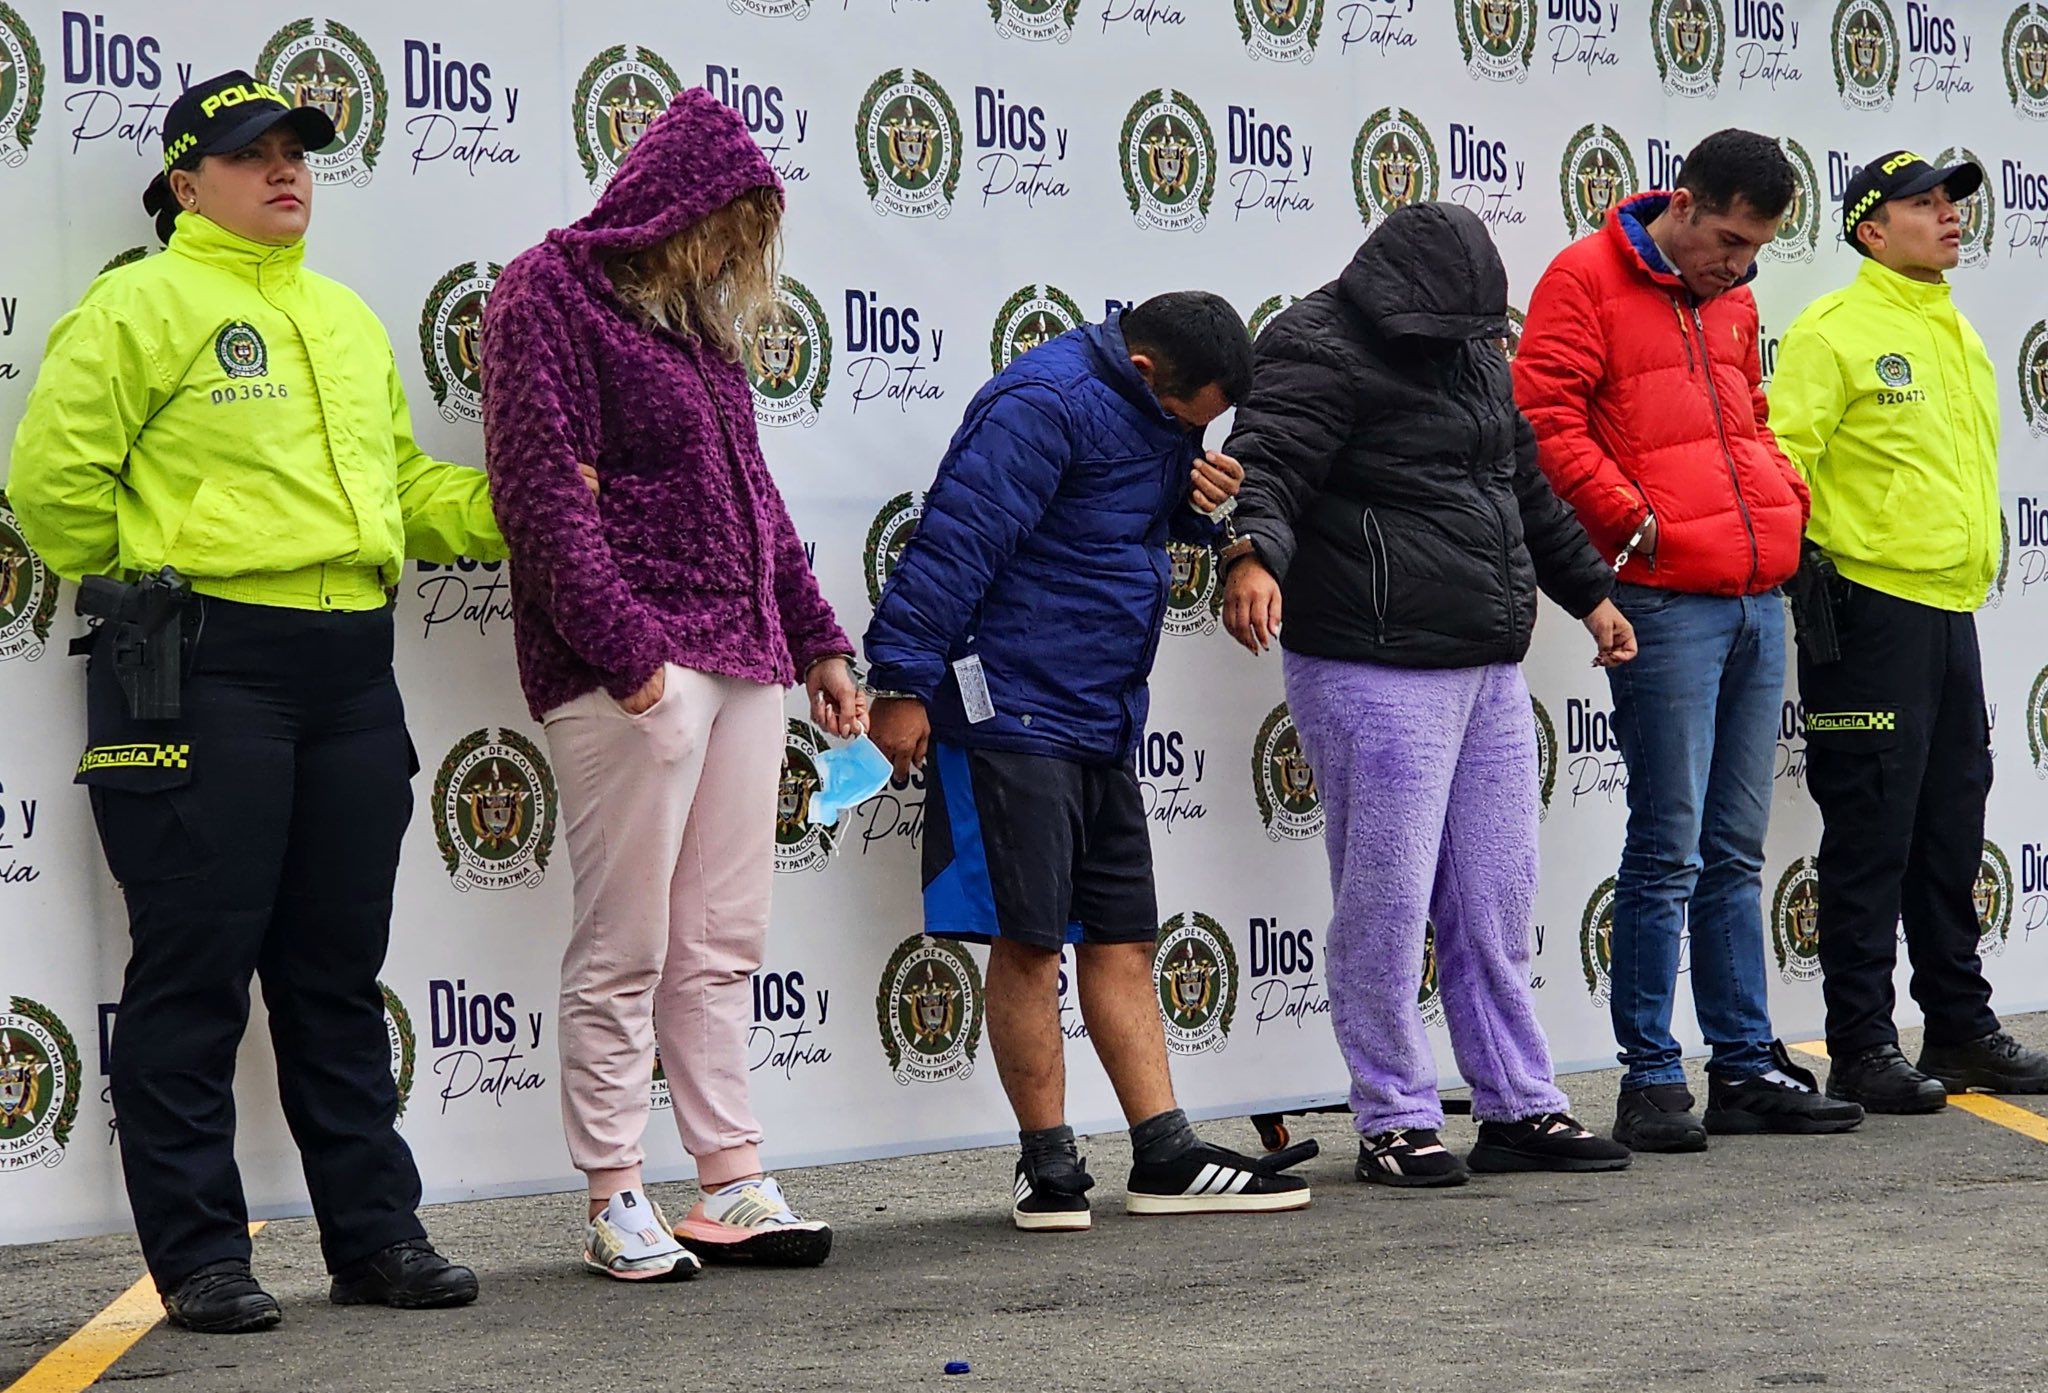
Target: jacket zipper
(1727, 455)
(1374, 563)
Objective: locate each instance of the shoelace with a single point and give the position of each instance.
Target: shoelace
(2002, 1045)
(1552, 1123)
(214, 1282)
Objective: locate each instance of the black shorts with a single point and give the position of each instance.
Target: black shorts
(1034, 849)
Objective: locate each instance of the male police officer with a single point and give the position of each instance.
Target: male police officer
(1886, 401)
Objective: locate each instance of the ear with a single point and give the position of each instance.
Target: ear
(1684, 207)
(1870, 232)
(1145, 366)
(184, 186)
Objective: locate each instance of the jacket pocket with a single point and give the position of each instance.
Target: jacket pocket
(1918, 526)
(1379, 578)
(207, 535)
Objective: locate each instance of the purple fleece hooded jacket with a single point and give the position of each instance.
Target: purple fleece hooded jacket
(687, 555)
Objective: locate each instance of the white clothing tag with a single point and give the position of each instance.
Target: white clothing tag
(974, 689)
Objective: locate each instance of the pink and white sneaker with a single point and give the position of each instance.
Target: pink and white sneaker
(750, 1221)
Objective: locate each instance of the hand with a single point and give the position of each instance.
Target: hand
(1615, 635)
(902, 731)
(650, 692)
(589, 478)
(837, 705)
(1251, 604)
(1216, 477)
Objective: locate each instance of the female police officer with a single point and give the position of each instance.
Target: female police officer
(222, 410)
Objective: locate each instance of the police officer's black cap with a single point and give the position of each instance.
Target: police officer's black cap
(221, 115)
(1901, 174)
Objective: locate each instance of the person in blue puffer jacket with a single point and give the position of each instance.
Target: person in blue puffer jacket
(1008, 656)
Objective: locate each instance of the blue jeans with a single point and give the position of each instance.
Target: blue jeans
(1697, 714)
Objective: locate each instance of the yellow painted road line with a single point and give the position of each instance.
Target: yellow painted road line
(1993, 1110)
(91, 1351)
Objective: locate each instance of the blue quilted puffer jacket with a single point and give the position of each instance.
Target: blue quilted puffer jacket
(1043, 549)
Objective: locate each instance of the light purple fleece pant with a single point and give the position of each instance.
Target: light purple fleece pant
(1428, 780)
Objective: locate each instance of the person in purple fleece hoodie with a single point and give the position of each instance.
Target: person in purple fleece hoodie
(657, 626)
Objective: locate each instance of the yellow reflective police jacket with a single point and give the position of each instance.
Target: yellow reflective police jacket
(223, 410)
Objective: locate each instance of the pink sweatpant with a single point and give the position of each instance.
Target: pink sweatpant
(670, 818)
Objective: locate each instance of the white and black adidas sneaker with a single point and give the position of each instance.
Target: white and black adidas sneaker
(1208, 1179)
(1053, 1202)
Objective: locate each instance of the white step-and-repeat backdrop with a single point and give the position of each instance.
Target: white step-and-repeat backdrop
(965, 177)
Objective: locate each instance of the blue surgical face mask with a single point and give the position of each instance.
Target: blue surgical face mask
(847, 777)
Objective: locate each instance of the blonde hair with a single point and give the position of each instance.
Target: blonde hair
(714, 279)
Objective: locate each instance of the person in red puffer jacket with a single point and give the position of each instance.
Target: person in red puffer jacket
(1640, 372)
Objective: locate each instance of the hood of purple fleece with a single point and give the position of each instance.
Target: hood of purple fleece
(694, 158)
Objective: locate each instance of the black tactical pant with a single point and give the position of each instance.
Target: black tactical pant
(1899, 760)
(257, 835)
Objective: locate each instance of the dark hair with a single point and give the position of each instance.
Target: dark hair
(159, 201)
(1734, 164)
(1194, 338)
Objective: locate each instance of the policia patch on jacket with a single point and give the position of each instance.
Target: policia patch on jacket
(1851, 722)
(241, 351)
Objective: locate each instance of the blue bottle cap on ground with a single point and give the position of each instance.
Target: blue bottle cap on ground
(959, 1366)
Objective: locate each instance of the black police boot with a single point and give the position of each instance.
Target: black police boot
(410, 1276)
(1882, 1081)
(221, 1298)
(1996, 1063)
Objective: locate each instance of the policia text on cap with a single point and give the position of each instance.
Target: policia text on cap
(221, 410)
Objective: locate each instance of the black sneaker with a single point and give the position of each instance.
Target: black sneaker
(1658, 1118)
(1882, 1081)
(1052, 1200)
(409, 1276)
(1744, 1107)
(1410, 1157)
(221, 1298)
(1551, 1141)
(1996, 1063)
(1208, 1179)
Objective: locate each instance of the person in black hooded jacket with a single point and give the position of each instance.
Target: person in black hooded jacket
(1393, 507)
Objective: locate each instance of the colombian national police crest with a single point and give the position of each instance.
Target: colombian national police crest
(1283, 31)
(1596, 942)
(1979, 211)
(930, 1011)
(495, 810)
(771, 9)
(240, 350)
(1546, 757)
(452, 338)
(1027, 319)
(2033, 369)
(1393, 164)
(1691, 40)
(1865, 38)
(1598, 173)
(1194, 593)
(1035, 19)
(1991, 894)
(800, 844)
(1430, 995)
(1498, 37)
(887, 536)
(323, 63)
(789, 358)
(22, 77)
(1795, 921)
(38, 1086)
(1169, 162)
(909, 138)
(1194, 971)
(1282, 781)
(2025, 54)
(1265, 313)
(28, 592)
(1798, 238)
(620, 93)
(404, 1044)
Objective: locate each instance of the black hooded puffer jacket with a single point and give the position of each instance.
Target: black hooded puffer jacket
(1390, 482)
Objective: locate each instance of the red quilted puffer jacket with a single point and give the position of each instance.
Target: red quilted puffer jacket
(1643, 400)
